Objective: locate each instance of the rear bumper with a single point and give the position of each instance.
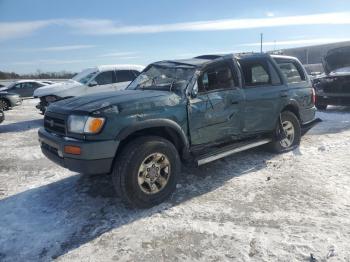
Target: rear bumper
(96, 156)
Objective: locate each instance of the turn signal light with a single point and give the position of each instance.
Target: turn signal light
(73, 150)
(94, 125)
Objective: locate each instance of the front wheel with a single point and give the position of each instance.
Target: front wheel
(287, 133)
(145, 172)
(4, 105)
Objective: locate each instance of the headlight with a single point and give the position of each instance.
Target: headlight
(51, 99)
(85, 124)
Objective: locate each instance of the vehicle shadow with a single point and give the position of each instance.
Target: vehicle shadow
(21, 126)
(337, 109)
(336, 119)
(46, 222)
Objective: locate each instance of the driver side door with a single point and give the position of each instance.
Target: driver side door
(214, 114)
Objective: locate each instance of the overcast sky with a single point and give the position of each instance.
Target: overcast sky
(72, 35)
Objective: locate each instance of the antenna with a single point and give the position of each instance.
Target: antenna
(261, 42)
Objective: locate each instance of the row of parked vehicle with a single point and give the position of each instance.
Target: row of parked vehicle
(332, 87)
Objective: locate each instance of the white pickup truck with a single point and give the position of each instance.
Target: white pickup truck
(89, 81)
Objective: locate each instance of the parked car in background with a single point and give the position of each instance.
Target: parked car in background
(24, 88)
(2, 115)
(9, 100)
(333, 88)
(89, 81)
(192, 111)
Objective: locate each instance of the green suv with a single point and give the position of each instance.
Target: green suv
(190, 111)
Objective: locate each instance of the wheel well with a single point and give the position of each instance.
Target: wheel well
(6, 100)
(164, 132)
(293, 109)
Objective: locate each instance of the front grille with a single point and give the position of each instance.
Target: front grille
(55, 125)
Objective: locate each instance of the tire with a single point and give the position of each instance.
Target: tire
(321, 107)
(4, 105)
(137, 175)
(279, 143)
(2, 116)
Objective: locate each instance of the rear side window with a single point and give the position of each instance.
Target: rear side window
(105, 78)
(255, 73)
(28, 85)
(125, 76)
(291, 70)
(216, 78)
(36, 85)
(259, 73)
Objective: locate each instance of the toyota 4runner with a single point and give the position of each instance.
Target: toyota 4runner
(180, 111)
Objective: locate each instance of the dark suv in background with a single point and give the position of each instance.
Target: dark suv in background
(192, 111)
(333, 88)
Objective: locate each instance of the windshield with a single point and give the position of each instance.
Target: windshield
(159, 77)
(85, 76)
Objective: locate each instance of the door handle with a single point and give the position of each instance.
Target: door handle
(234, 102)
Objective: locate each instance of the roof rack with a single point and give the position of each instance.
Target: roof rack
(209, 57)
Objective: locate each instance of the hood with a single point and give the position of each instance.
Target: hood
(336, 59)
(54, 88)
(4, 88)
(124, 99)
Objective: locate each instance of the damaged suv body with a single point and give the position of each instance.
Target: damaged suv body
(334, 87)
(182, 111)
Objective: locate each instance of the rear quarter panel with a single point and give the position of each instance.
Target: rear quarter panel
(300, 96)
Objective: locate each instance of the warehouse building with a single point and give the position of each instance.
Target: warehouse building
(311, 56)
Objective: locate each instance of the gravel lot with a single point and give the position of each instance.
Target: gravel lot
(254, 206)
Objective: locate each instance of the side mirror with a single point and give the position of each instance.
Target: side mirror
(93, 83)
(194, 91)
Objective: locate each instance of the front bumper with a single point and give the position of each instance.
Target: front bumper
(15, 100)
(96, 156)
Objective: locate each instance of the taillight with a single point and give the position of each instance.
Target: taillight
(313, 96)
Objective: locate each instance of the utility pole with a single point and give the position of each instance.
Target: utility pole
(261, 42)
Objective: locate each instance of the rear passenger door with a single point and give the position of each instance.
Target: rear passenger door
(214, 114)
(104, 81)
(124, 77)
(29, 88)
(264, 89)
(299, 86)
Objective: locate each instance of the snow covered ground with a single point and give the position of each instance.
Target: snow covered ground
(253, 206)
